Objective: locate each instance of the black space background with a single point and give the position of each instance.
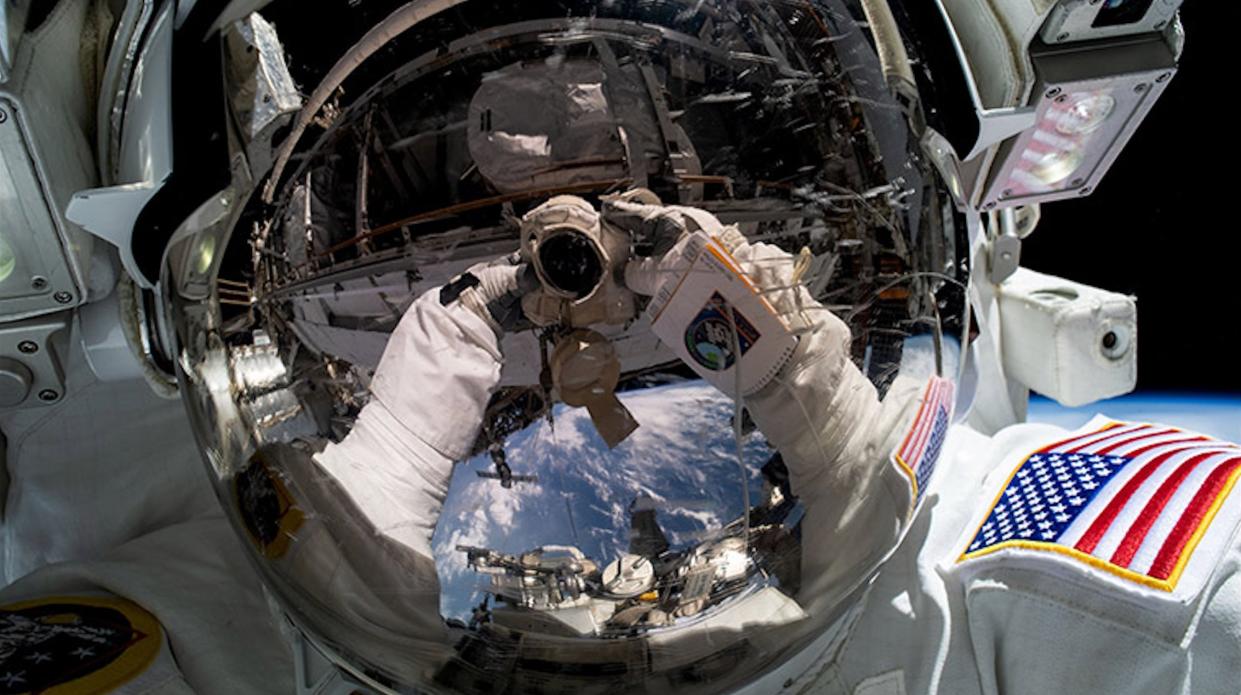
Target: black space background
(1165, 223)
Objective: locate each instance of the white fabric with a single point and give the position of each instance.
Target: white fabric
(1053, 331)
(193, 577)
(547, 124)
(397, 480)
(109, 463)
(432, 386)
(1021, 625)
(107, 495)
(437, 374)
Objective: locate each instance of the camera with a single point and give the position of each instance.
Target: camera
(1085, 20)
(579, 263)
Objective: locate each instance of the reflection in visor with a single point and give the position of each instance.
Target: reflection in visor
(623, 527)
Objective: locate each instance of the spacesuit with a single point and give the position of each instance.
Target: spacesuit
(932, 557)
(911, 610)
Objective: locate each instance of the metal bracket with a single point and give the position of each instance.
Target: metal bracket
(30, 363)
(1004, 253)
(316, 674)
(1078, 20)
(997, 125)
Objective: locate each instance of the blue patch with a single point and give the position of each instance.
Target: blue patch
(710, 339)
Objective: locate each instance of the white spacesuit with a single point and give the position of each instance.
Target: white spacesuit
(340, 372)
(937, 618)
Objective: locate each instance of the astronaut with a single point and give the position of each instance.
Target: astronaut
(933, 558)
(907, 613)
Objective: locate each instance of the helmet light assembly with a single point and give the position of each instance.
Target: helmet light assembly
(1090, 99)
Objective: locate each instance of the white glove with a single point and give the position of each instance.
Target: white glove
(429, 396)
(660, 232)
(494, 291)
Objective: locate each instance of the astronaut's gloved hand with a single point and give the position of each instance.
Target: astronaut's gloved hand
(659, 233)
(818, 409)
(655, 228)
(494, 291)
(428, 399)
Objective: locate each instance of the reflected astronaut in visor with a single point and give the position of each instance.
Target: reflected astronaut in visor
(443, 364)
(606, 320)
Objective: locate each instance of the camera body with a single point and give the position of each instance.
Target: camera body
(580, 265)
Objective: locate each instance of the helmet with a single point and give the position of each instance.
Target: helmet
(553, 559)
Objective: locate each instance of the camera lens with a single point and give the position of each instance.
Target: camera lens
(571, 264)
(1116, 13)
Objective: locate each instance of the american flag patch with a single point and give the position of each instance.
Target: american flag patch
(1134, 500)
(920, 449)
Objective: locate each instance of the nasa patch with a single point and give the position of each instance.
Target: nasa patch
(710, 340)
(74, 644)
(268, 510)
